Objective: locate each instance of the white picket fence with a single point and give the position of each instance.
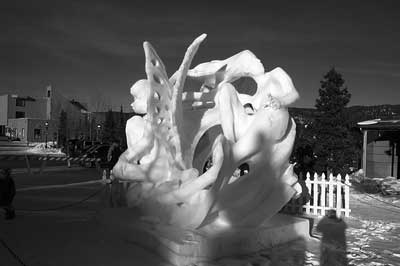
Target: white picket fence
(326, 194)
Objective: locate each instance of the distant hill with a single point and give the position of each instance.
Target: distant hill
(384, 112)
(356, 113)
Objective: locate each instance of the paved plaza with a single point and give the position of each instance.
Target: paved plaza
(55, 227)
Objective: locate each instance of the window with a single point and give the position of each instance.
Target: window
(20, 102)
(37, 133)
(19, 114)
(8, 131)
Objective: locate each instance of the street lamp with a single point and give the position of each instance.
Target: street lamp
(98, 131)
(47, 128)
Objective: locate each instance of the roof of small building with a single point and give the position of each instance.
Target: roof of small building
(16, 96)
(378, 124)
(78, 104)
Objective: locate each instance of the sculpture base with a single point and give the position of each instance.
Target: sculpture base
(182, 247)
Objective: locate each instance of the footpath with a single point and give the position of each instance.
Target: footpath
(59, 226)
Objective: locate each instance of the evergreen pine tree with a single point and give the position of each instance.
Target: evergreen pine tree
(333, 146)
(122, 123)
(109, 128)
(62, 129)
(303, 152)
(93, 128)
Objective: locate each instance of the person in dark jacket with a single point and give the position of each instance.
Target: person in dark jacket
(7, 193)
(113, 154)
(114, 187)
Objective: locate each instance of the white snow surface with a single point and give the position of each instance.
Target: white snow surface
(40, 148)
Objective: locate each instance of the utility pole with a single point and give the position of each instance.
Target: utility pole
(90, 127)
(47, 129)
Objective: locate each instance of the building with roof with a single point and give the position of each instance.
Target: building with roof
(36, 119)
(381, 147)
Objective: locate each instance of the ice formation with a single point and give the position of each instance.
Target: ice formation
(183, 126)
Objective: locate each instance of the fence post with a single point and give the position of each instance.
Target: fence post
(347, 196)
(339, 195)
(321, 201)
(308, 184)
(323, 193)
(315, 194)
(330, 195)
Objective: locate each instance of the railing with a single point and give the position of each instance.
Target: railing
(325, 194)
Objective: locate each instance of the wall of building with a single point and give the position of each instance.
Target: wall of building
(39, 124)
(3, 109)
(99, 118)
(78, 121)
(32, 108)
(18, 128)
(41, 109)
(33, 130)
(379, 159)
(35, 109)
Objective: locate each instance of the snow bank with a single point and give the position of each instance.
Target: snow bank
(386, 185)
(41, 148)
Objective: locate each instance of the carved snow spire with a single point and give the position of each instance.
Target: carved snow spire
(165, 98)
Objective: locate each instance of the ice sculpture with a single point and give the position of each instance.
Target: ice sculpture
(165, 157)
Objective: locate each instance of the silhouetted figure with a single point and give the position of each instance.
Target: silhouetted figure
(333, 245)
(7, 193)
(113, 154)
(115, 188)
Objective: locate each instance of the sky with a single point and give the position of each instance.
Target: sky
(91, 51)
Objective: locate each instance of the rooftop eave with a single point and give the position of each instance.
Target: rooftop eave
(378, 124)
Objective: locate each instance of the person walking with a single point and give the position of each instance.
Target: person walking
(7, 193)
(114, 187)
(113, 154)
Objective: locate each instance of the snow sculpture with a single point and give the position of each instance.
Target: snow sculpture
(166, 157)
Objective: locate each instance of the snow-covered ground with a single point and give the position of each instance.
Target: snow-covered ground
(375, 243)
(42, 148)
(372, 236)
(71, 236)
(38, 148)
(374, 230)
